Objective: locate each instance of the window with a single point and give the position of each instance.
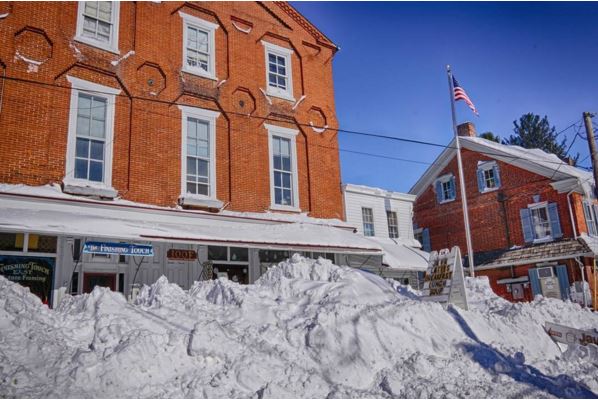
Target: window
(198, 175)
(540, 222)
(279, 77)
(488, 176)
(590, 214)
(283, 168)
(91, 131)
(445, 188)
(199, 46)
(27, 243)
(97, 24)
(393, 226)
(422, 235)
(232, 254)
(368, 221)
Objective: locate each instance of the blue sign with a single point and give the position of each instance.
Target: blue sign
(125, 249)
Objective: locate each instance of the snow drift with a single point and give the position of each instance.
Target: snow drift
(305, 329)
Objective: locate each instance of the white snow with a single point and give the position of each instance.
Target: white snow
(127, 55)
(305, 329)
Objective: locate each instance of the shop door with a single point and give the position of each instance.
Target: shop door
(91, 280)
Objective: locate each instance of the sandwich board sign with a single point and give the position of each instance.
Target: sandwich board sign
(444, 281)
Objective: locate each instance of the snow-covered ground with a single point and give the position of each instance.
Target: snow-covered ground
(305, 329)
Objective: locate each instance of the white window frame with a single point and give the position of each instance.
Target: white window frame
(281, 52)
(210, 117)
(363, 222)
(443, 179)
(290, 134)
(486, 166)
(210, 28)
(112, 45)
(396, 226)
(537, 206)
(94, 89)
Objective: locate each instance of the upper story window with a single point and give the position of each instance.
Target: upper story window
(445, 188)
(279, 77)
(367, 216)
(97, 24)
(393, 225)
(591, 212)
(199, 46)
(540, 222)
(488, 176)
(91, 131)
(283, 168)
(198, 159)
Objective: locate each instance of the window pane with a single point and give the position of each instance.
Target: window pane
(105, 10)
(41, 244)
(103, 31)
(98, 109)
(11, 241)
(84, 105)
(272, 79)
(95, 171)
(191, 128)
(277, 196)
(277, 179)
(286, 163)
(286, 180)
(202, 130)
(191, 188)
(80, 169)
(97, 128)
(282, 71)
(217, 253)
(281, 60)
(97, 150)
(285, 147)
(82, 148)
(202, 167)
(271, 58)
(203, 189)
(191, 166)
(239, 254)
(202, 39)
(286, 197)
(91, 8)
(277, 162)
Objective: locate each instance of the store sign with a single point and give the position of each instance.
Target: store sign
(567, 335)
(36, 273)
(181, 254)
(125, 249)
(444, 281)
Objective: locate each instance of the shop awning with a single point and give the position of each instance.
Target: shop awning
(69, 217)
(400, 254)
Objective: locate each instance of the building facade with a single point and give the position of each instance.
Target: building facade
(219, 109)
(532, 217)
(386, 218)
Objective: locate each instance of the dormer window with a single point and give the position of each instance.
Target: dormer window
(488, 176)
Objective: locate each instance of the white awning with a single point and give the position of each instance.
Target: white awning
(69, 217)
(400, 255)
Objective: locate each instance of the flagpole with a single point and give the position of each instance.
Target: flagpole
(461, 178)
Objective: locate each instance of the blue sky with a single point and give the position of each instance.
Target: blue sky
(511, 58)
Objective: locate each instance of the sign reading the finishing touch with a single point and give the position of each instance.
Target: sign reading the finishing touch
(125, 249)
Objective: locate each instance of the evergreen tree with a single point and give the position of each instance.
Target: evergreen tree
(533, 132)
(490, 136)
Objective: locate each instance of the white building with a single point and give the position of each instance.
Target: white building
(386, 218)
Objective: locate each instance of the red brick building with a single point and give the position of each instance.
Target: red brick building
(210, 109)
(532, 217)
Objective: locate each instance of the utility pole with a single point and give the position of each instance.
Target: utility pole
(587, 118)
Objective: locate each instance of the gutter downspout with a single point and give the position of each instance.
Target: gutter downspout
(583, 279)
(571, 214)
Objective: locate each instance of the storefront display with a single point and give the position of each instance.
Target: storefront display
(36, 273)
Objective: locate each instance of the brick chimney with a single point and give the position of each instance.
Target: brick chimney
(466, 129)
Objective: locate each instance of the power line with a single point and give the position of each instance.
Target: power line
(265, 118)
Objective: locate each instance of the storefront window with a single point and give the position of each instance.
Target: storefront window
(239, 254)
(273, 256)
(11, 241)
(41, 244)
(217, 253)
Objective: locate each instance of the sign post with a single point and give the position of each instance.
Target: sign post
(445, 282)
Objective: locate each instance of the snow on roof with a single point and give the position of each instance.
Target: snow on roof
(55, 192)
(350, 187)
(400, 254)
(34, 214)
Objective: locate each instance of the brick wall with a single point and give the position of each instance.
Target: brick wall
(491, 220)
(147, 132)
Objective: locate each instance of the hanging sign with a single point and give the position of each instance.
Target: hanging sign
(181, 254)
(125, 249)
(567, 335)
(444, 281)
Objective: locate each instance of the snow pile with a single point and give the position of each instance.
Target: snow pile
(305, 329)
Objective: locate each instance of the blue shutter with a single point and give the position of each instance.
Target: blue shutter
(496, 175)
(561, 273)
(555, 223)
(481, 180)
(439, 191)
(453, 188)
(426, 245)
(534, 282)
(527, 225)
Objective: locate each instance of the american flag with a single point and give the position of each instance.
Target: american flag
(461, 95)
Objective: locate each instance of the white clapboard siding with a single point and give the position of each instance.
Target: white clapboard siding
(379, 201)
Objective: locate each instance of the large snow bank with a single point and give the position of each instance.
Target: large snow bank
(305, 329)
